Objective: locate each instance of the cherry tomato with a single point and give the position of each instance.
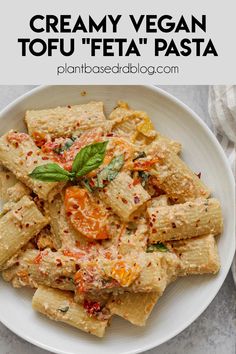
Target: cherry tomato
(85, 215)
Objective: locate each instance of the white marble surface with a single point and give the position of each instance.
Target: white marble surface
(214, 332)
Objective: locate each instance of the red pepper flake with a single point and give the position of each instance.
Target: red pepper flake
(110, 134)
(45, 158)
(68, 106)
(136, 199)
(154, 231)
(92, 308)
(38, 258)
(136, 181)
(91, 183)
(124, 200)
(58, 262)
(29, 153)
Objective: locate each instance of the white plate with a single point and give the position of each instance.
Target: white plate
(186, 298)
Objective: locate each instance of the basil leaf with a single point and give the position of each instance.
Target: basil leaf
(51, 172)
(140, 155)
(157, 247)
(89, 158)
(63, 309)
(110, 172)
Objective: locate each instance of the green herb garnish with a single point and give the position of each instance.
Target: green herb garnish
(63, 309)
(88, 159)
(157, 247)
(110, 172)
(140, 156)
(51, 172)
(66, 146)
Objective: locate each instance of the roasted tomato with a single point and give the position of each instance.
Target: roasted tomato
(85, 215)
(144, 165)
(39, 138)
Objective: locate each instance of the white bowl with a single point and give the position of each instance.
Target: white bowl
(186, 298)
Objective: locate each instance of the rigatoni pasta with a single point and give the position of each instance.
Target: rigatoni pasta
(101, 215)
(60, 306)
(123, 196)
(179, 221)
(174, 177)
(133, 307)
(63, 121)
(20, 155)
(7, 180)
(198, 255)
(18, 226)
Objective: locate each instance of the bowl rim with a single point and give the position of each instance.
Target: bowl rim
(230, 256)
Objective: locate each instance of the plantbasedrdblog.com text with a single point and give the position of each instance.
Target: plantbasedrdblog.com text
(129, 68)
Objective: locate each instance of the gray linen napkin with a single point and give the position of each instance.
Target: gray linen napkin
(222, 111)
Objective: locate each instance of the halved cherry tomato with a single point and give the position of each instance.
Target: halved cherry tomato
(123, 273)
(85, 215)
(39, 138)
(144, 165)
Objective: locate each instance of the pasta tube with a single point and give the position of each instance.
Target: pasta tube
(60, 306)
(7, 180)
(137, 126)
(18, 226)
(174, 177)
(62, 121)
(146, 273)
(133, 307)
(20, 155)
(123, 196)
(16, 192)
(43, 267)
(180, 221)
(198, 255)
